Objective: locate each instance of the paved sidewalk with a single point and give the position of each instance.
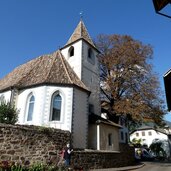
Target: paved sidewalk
(127, 168)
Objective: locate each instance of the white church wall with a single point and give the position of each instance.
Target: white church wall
(42, 107)
(6, 95)
(38, 93)
(80, 119)
(86, 70)
(74, 61)
(66, 110)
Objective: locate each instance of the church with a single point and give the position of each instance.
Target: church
(62, 90)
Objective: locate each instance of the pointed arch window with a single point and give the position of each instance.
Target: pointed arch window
(71, 51)
(56, 107)
(31, 102)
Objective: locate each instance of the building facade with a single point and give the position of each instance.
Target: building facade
(61, 90)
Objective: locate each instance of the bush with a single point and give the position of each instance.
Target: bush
(12, 166)
(160, 148)
(8, 113)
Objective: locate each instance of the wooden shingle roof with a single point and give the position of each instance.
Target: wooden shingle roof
(46, 69)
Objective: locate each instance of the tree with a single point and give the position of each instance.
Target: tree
(129, 87)
(137, 142)
(8, 113)
(160, 148)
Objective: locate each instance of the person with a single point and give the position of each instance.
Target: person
(67, 154)
(61, 159)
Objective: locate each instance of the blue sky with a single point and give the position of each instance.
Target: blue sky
(30, 28)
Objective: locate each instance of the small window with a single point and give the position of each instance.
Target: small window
(30, 108)
(110, 139)
(143, 133)
(137, 134)
(71, 51)
(90, 53)
(56, 108)
(91, 57)
(122, 135)
(149, 133)
(91, 108)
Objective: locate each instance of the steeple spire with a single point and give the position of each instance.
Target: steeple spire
(80, 33)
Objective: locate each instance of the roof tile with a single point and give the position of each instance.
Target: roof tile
(80, 33)
(49, 69)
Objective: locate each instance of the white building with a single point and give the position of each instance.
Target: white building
(147, 134)
(62, 90)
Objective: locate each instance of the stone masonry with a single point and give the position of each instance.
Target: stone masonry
(40, 144)
(93, 159)
(30, 143)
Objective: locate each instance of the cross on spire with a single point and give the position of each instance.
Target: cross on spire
(81, 15)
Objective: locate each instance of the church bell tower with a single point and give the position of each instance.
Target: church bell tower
(81, 53)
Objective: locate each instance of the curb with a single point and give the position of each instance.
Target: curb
(127, 168)
(130, 167)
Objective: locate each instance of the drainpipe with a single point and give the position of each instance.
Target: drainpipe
(12, 96)
(72, 119)
(98, 137)
(169, 141)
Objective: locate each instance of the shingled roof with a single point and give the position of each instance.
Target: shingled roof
(80, 33)
(46, 69)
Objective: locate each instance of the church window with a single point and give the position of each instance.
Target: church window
(31, 101)
(91, 58)
(91, 108)
(110, 139)
(90, 53)
(71, 51)
(56, 107)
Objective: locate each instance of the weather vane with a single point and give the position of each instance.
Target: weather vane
(81, 15)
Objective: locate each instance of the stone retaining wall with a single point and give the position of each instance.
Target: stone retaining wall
(104, 159)
(39, 144)
(30, 143)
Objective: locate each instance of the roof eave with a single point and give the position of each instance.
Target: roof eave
(167, 73)
(67, 45)
(45, 83)
(108, 123)
(8, 89)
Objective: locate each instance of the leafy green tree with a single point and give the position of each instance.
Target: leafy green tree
(8, 113)
(158, 147)
(129, 87)
(137, 142)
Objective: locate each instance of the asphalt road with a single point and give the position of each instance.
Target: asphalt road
(155, 166)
